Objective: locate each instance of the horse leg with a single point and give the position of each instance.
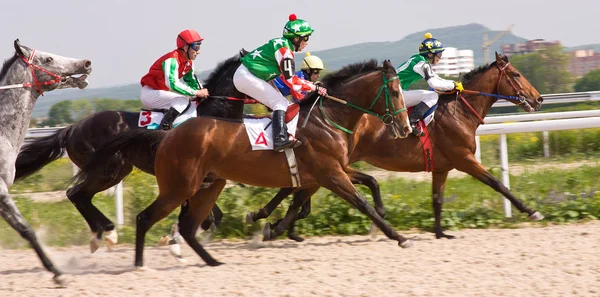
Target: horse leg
(272, 231)
(338, 182)
(438, 186)
(359, 178)
(472, 167)
(12, 215)
(304, 212)
(192, 214)
(81, 196)
(264, 212)
(215, 217)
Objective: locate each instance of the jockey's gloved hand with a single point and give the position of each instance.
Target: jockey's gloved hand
(202, 93)
(321, 90)
(458, 86)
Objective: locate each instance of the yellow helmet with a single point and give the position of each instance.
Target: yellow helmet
(312, 62)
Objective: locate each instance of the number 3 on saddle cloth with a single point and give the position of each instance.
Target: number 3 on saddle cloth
(259, 130)
(151, 118)
(426, 139)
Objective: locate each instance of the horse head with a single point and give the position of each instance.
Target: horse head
(511, 82)
(50, 71)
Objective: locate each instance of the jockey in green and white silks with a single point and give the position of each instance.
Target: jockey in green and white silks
(419, 67)
(267, 62)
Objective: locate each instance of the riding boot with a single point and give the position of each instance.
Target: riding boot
(281, 139)
(168, 119)
(415, 116)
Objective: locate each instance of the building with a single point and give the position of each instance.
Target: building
(583, 61)
(529, 46)
(454, 62)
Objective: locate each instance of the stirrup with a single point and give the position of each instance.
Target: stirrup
(416, 130)
(290, 144)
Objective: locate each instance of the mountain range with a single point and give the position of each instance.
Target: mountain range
(462, 37)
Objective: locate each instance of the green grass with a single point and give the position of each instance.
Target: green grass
(562, 195)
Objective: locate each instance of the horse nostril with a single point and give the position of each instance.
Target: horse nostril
(87, 64)
(540, 100)
(407, 130)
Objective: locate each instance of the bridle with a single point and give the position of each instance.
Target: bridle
(36, 82)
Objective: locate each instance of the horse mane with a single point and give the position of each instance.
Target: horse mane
(6, 65)
(221, 71)
(334, 81)
(468, 77)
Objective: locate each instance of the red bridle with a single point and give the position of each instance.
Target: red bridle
(36, 83)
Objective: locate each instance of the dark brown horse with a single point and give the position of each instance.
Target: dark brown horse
(452, 135)
(81, 139)
(203, 145)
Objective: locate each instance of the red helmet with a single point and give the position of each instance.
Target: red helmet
(188, 37)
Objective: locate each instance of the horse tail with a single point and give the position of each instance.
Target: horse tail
(109, 158)
(33, 156)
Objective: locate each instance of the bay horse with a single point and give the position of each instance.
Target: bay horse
(452, 136)
(82, 138)
(185, 155)
(23, 78)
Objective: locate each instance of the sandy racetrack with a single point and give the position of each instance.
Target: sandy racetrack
(533, 261)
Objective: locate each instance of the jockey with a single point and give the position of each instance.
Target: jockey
(310, 70)
(419, 67)
(170, 82)
(266, 63)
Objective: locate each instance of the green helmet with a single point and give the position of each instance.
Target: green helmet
(296, 28)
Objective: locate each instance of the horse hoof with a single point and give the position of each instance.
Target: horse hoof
(61, 280)
(214, 263)
(295, 237)
(143, 268)
(442, 235)
(111, 238)
(267, 232)
(406, 244)
(536, 216)
(249, 219)
(94, 244)
(175, 251)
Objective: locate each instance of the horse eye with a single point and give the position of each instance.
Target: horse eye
(517, 75)
(49, 59)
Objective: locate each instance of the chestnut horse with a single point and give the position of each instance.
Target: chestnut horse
(452, 136)
(186, 155)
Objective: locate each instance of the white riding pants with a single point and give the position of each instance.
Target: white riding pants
(152, 98)
(258, 89)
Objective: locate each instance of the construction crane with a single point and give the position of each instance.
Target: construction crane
(487, 43)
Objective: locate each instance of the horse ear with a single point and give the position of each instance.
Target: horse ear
(18, 47)
(498, 57)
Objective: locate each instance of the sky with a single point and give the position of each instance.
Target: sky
(123, 38)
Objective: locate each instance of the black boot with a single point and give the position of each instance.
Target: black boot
(281, 139)
(415, 116)
(168, 119)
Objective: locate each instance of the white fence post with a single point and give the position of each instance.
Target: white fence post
(478, 149)
(505, 176)
(546, 139)
(119, 203)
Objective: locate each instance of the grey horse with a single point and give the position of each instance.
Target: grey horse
(23, 78)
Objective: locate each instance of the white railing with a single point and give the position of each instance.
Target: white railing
(521, 127)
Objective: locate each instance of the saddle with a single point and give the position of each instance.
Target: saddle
(290, 113)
